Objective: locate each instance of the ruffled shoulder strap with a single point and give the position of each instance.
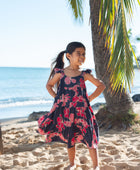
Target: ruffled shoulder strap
(86, 71)
(58, 70)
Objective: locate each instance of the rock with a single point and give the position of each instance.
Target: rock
(36, 115)
(136, 98)
(98, 105)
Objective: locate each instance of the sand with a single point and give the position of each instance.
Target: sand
(26, 149)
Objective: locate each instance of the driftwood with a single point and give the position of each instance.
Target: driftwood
(1, 144)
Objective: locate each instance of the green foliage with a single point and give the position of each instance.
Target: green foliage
(112, 18)
(126, 119)
(77, 9)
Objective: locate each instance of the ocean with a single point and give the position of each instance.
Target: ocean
(23, 91)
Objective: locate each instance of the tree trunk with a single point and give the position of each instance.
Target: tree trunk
(120, 103)
(1, 145)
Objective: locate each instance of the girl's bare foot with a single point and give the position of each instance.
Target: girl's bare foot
(71, 167)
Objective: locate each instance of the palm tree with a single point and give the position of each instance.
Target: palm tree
(111, 47)
(1, 144)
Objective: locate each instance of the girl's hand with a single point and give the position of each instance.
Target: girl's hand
(50, 84)
(98, 83)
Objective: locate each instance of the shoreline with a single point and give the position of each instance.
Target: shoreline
(95, 108)
(11, 119)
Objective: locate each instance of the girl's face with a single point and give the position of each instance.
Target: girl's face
(77, 57)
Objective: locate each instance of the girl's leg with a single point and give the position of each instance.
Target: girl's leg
(94, 156)
(71, 155)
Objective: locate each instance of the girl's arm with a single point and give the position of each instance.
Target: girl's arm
(98, 83)
(50, 84)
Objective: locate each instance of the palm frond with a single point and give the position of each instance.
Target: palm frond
(112, 19)
(138, 2)
(77, 9)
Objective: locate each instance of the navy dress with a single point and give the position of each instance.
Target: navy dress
(71, 119)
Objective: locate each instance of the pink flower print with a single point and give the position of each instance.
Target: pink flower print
(62, 138)
(66, 112)
(81, 99)
(48, 132)
(67, 123)
(84, 130)
(41, 131)
(75, 99)
(67, 80)
(58, 119)
(71, 117)
(74, 88)
(48, 140)
(71, 104)
(64, 99)
(83, 122)
(73, 80)
(79, 138)
(60, 116)
(72, 141)
(82, 83)
(81, 112)
(41, 119)
(54, 107)
(58, 101)
(60, 124)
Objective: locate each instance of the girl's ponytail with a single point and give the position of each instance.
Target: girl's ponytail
(57, 63)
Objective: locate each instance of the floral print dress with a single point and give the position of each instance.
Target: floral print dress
(71, 119)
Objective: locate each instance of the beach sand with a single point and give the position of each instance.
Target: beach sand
(26, 149)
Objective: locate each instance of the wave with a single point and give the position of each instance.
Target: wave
(23, 101)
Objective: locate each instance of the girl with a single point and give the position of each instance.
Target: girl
(71, 119)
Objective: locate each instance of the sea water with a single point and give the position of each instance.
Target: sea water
(23, 91)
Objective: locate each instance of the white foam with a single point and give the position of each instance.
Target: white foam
(24, 103)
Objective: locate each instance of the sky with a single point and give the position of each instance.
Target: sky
(33, 32)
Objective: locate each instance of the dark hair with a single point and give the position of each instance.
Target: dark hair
(59, 61)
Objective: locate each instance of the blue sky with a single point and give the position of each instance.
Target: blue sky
(33, 32)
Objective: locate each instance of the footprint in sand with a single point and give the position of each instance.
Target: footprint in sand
(56, 167)
(138, 147)
(85, 167)
(125, 166)
(107, 160)
(22, 162)
(83, 159)
(112, 150)
(38, 152)
(60, 158)
(108, 167)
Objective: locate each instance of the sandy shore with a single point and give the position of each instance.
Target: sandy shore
(26, 149)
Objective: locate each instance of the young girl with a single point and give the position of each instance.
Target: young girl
(71, 119)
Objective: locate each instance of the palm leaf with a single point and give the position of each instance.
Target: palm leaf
(77, 9)
(113, 21)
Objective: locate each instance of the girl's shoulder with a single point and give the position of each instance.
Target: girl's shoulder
(86, 71)
(59, 70)
(87, 74)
